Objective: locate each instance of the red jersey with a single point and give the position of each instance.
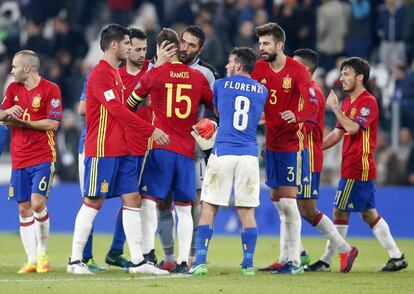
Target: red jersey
(176, 91)
(358, 150)
(107, 117)
(31, 147)
(315, 135)
(289, 89)
(136, 145)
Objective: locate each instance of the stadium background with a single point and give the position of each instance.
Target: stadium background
(65, 34)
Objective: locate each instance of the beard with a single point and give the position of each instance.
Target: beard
(270, 57)
(350, 88)
(137, 62)
(186, 59)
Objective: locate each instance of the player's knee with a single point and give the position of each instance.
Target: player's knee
(369, 216)
(340, 215)
(25, 209)
(132, 200)
(38, 204)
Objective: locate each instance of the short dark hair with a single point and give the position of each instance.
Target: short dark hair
(137, 33)
(309, 57)
(112, 32)
(197, 32)
(273, 29)
(246, 56)
(168, 35)
(359, 65)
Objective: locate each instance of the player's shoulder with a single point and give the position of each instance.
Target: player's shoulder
(295, 65)
(49, 84)
(367, 98)
(261, 64)
(210, 68)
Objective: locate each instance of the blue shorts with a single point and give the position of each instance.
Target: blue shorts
(167, 171)
(310, 191)
(355, 196)
(110, 177)
(285, 169)
(33, 179)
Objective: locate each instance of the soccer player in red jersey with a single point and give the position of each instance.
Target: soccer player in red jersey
(109, 170)
(176, 91)
(309, 194)
(290, 103)
(357, 125)
(34, 108)
(131, 73)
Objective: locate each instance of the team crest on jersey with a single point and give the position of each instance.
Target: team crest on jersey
(263, 81)
(11, 191)
(353, 112)
(365, 111)
(287, 83)
(36, 102)
(104, 187)
(16, 99)
(55, 102)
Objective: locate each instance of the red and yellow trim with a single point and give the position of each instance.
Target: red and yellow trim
(51, 142)
(311, 152)
(365, 154)
(100, 144)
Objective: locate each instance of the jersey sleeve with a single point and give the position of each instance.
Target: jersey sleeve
(8, 98)
(309, 112)
(83, 94)
(54, 104)
(141, 90)
(207, 94)
(367, 111)
(107, 95)
(215, 89)
(343, 109)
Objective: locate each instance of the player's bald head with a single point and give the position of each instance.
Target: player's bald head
(30, 58)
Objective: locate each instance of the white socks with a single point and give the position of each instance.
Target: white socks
(283, 255)
(328, 230)
(149, 224)
(342, 228)
(131, 219)
(42, 224)
(83, 226)
(28, 237)
(293, 228)
(382, 232)
(184, 232)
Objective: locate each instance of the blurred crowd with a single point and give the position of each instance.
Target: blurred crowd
(65, 34)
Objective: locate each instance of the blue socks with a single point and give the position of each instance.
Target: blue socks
(119, 234)
(248, 238)
(203, 236)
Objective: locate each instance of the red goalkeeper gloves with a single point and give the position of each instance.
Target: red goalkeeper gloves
(206, 128)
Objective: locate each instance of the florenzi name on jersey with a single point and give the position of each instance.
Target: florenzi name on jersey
(244, 87)
(179, 75)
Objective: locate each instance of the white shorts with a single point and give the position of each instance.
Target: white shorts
(227, 172)
(200, 167)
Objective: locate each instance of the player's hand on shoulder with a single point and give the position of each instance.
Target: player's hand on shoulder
(15, 111)
(160, 137)
(206, 128)
(288, 116)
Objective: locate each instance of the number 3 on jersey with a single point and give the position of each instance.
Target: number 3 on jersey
(241, 116)
(178, 98)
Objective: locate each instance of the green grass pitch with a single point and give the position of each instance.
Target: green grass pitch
(224, 271)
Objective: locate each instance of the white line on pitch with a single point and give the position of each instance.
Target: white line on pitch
(173, 276)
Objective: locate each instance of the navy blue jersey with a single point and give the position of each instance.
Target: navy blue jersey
(240, 102)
